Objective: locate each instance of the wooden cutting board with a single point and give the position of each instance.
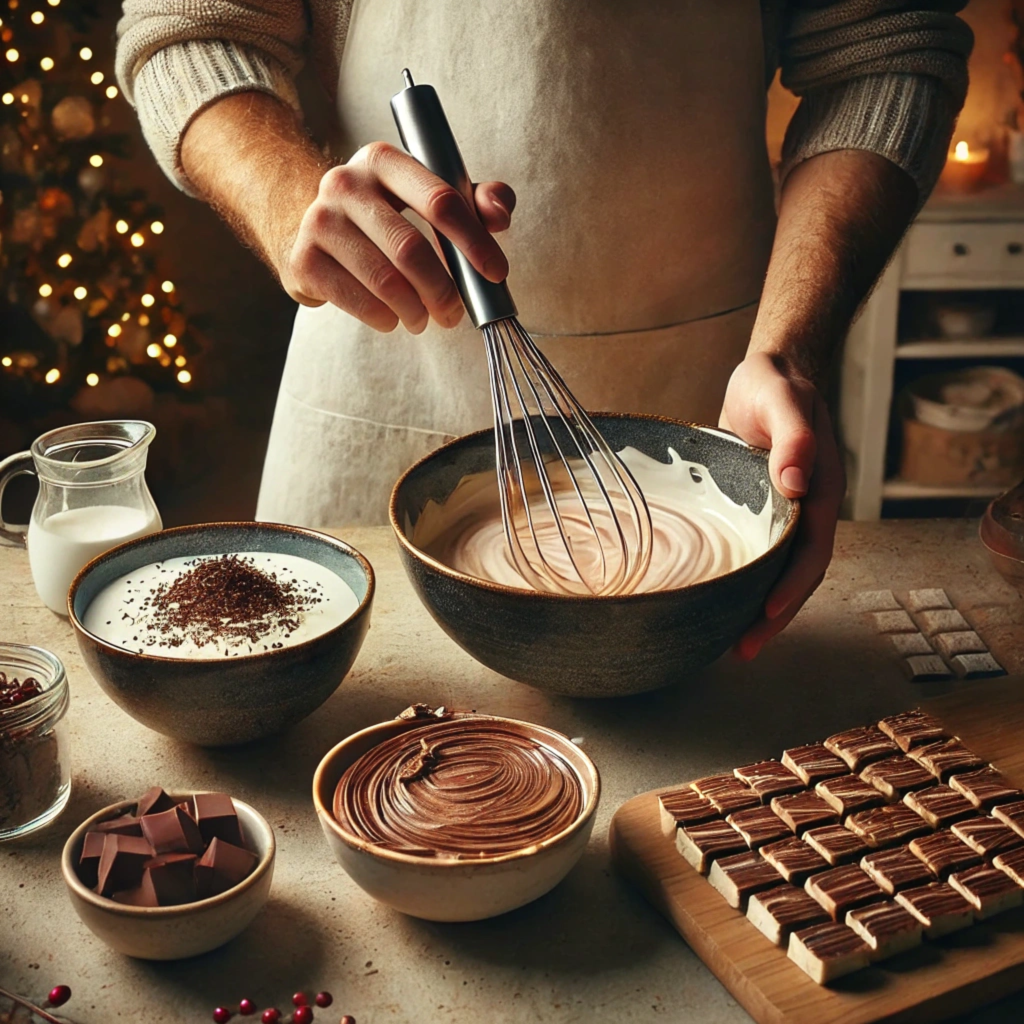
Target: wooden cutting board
(936, 981)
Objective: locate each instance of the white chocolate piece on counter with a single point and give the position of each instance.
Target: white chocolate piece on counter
(887, 928)
(828, 951)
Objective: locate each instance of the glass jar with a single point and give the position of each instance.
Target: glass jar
(35, 771)
(92, 497)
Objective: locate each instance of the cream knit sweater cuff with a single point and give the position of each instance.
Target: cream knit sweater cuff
(180, 81)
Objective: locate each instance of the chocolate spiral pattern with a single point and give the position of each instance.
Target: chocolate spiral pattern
(461, 789)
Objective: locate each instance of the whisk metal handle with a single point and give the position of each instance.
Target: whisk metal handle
(428, 137)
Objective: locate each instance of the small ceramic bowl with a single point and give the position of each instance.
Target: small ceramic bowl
(446, 889)
(224, 701)
(598, 646)
(173, 933)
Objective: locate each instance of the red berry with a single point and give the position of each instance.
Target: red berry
(246, 1007)
(271, 1016)
(348, 1019)
(324, 999)
(59, 995)
(300, 999)
(303, 1015)
(221, 1015)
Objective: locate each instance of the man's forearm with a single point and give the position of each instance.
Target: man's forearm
(841, 216)
(250, 158)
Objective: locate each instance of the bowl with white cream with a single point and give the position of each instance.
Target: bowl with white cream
(222, 633)
(722, 535)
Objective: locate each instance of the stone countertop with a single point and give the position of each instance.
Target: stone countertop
(590, 950)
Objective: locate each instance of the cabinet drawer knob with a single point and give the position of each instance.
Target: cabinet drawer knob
(1014, 248)
(960, 249)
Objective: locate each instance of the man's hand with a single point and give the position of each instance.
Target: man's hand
(773, 407)
(337, 234)
(841, 215)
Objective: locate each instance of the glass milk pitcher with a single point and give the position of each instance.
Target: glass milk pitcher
(92, 496)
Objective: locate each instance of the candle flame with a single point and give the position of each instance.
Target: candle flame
(961, 151)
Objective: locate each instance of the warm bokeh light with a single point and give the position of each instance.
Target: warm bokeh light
(7, 98)
(6, 361)
(92, 379)
(144, 320)
(114, 330)
(46, 63)
(81, 292)
(157, 227)
(961, 150)
(180, 361)
(125, 317)
(184, 376)
(153, 350)
(64, 260)
(148, 300)
(121, 227)
(37, 18)
(85, 53)
(12, 55)
(138, 239)
(96, 77)
(52, 376)
(96, 160)
(111, 92)
(167, 287)
(53, 3)
(170, 340)
(46, 290)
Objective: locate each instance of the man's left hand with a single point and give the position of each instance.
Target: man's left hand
(772, 406)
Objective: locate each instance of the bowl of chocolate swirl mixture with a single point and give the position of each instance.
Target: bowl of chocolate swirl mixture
(222, 633)
(721, 536)
(456, 816)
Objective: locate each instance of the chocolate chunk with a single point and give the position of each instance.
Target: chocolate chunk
(682, 807)
(1012, 864)
(895, 776)
(758, 825)
(740, 875)
(928, 598)
(893, 622)
(153, 801)
(942, 853)
(777, 912)
(838, 845)
(172, 831)
(125, 825)
(925, 668)
(988, 890)
(841, 889)
(121, 863)
(794, 859)
(828, 951)
(946, 759)
(987, 836)
(939, 805)
(1011, 814)
(701, 844)
(801, 811)
(977, 666)
(939, 907)
(908, 644)
(895, 870)
(142, 895)
(965, 641)
(216, 817)
(942, 620)
(876, 601)
(887, 826)
(986, 787)
(172, 878)
(812, 763)
(89, 860)
(887, 928)
(225, 865)
(848, 794)
(726, 793)
(768, 779)
(859, 747)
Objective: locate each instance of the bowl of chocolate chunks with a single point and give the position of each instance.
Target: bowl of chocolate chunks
(169, 876)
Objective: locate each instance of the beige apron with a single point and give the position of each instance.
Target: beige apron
(634, 138)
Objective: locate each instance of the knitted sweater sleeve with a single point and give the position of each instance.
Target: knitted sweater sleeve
(175, 59)
(886, 76)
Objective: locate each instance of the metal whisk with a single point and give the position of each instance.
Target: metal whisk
(574, 518)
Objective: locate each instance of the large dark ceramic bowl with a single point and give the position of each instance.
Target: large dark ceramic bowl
(598, 646)
(223, 701)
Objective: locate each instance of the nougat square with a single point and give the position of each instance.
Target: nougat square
(859, 747)
(812, 763)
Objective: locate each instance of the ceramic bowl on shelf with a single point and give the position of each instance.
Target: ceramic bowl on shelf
(963, 321)
(444, 888)
(224, 701)
(1002, 533)
(173, 933)
(598, 646)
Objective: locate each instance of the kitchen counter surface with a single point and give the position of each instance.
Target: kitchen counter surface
(590, 950)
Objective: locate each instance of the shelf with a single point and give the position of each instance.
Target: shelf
(897, 490)
(960, 348)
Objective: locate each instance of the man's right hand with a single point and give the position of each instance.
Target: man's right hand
(356, 250)
(337, 234)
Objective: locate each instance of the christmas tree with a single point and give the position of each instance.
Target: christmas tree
(86, 308)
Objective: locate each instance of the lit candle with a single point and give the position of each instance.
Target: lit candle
(965, 167)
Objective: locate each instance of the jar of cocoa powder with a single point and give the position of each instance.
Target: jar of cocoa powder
(35, 773)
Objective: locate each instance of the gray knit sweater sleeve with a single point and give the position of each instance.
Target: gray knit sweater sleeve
(878, 75)
(175, 59)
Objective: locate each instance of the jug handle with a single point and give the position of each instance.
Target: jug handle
(16, 465)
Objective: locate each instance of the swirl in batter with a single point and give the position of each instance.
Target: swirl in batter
(698, 532)
(463, 788)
